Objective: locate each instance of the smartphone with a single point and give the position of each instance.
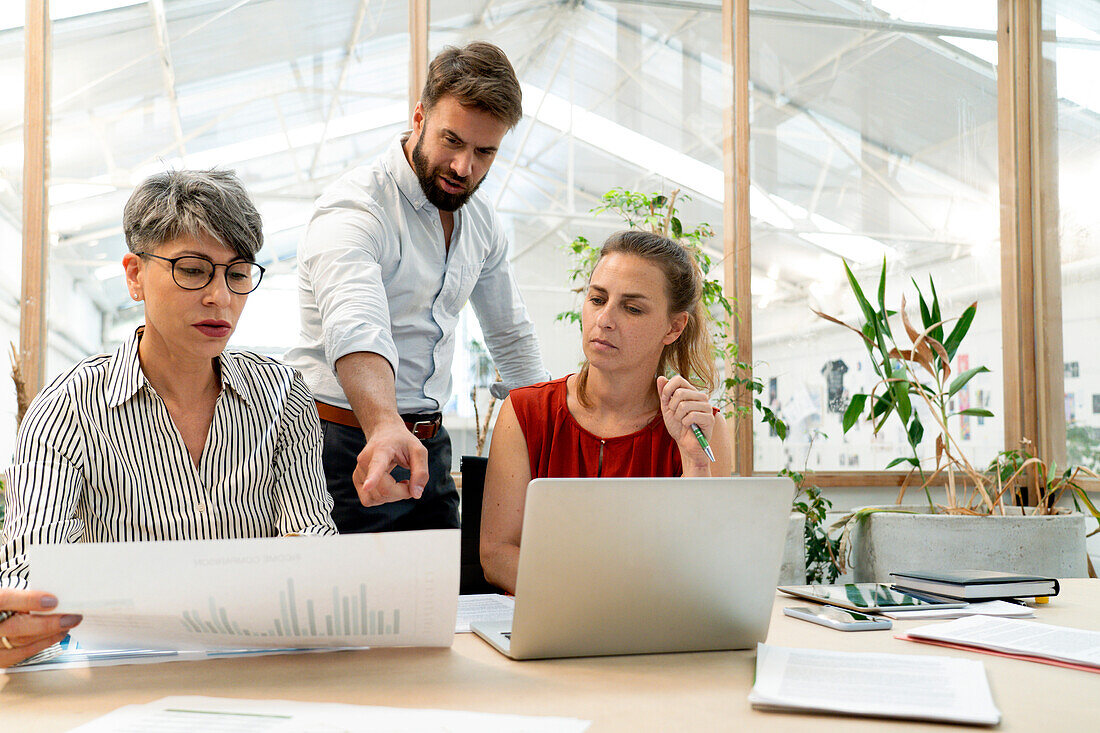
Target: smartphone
(838, 618)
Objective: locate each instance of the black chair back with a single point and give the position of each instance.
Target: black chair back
(471, 576)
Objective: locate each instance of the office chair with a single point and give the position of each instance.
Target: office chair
(471, 576)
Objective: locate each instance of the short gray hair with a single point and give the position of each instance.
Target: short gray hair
(174, 203)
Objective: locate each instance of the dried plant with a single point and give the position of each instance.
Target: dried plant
(22, 399)
(920, 372)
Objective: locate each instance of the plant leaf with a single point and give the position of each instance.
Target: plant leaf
(855, 409)
(915, 431)
(960, 381)
(904, 459)
(677, 228)
(974, 412)
(961, 327)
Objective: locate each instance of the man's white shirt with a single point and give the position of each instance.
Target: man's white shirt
(374, 275)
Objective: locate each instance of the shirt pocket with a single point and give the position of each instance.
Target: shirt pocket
(456, 290)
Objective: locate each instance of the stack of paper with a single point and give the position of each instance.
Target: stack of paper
(483, 608)
(879, 685)
(181, 714)
(1022, 639)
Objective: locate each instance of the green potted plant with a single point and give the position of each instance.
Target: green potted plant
(980, 521)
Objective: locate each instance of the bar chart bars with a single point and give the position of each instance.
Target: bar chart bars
(349, 614)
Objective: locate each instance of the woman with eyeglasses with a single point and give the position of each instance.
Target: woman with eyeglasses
(171, 437)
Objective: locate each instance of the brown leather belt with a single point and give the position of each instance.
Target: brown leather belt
(424, 427)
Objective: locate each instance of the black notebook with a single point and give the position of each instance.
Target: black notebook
(977, 585)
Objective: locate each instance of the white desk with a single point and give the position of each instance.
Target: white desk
(697, 692)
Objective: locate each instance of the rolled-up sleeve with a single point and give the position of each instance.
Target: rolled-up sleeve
(342, 256)
(508, 330)
(44, 485)
(304, 504)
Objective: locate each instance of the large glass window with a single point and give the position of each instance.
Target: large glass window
(873, 138)
(615, 95)
(11, 208)
(1069, 169)
(289, 94)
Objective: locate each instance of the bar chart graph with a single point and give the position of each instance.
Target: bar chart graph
(350, 614)
(381, 589)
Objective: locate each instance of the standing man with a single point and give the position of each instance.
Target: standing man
(393, 252)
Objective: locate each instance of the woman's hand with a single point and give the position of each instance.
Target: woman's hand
(681, 406)
(24, 634)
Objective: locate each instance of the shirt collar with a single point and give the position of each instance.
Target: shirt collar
(404, 175)
(126, 377)
(233, 375)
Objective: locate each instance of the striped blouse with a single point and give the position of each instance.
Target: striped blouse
(98, 459)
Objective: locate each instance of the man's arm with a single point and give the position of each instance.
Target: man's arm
(343, 250)
(368, 384)
(509, 332)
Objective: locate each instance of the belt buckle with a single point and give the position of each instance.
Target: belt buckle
(423, 429)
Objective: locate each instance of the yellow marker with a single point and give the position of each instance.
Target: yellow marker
(1042, 599)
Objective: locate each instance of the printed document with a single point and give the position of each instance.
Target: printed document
(187, 714)
(383, 589)
(482, 608)
(879, 685)
(1030, 638)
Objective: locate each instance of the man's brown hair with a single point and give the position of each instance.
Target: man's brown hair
(477, 75)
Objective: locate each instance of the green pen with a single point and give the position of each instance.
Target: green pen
(702, 441)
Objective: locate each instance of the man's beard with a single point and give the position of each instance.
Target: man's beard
(440, 199)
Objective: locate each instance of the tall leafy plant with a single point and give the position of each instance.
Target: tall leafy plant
(913, 367)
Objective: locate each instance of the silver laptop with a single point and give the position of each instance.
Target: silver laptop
(642, 565)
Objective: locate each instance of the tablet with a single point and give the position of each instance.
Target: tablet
(872, 597)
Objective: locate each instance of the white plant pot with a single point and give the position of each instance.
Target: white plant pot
(793, 569)
(886, 542)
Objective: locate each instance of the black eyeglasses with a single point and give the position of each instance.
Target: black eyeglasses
(195, 273)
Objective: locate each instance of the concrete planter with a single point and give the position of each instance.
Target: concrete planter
(793, 570)
(887, 542)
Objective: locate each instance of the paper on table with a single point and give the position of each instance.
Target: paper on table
(1031, 638)
(987, 608)
(80, 658)
(186, 714)
(483, 607)
(384, 589)
(879, 685)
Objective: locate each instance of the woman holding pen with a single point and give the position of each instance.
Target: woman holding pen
(633, 409)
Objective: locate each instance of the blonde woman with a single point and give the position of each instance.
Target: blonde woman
(629, 411)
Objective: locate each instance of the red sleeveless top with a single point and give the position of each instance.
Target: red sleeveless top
(559, 447)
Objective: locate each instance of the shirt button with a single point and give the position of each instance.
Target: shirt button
(200, 508)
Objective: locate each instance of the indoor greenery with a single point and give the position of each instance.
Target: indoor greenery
(657, 212)
(916, 372)
(822, 551)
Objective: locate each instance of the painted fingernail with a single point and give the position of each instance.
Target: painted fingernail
(48, 602)
(70, 620)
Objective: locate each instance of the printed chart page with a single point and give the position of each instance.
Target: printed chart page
(383, 589)
(871, 684)
(186, 714)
